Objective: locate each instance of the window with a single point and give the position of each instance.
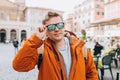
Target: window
(88, 20)
(75, 29)
(97, 6)
(102, 13)
(75, 24)
(98, 13)
(2, 16)
(83, 22)
(75, 18)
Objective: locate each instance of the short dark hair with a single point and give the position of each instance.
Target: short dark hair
(49, 16)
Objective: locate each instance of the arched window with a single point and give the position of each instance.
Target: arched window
(23, 35)
(2, 35)
(13, 34)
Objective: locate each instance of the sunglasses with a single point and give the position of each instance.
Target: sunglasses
(52, 27)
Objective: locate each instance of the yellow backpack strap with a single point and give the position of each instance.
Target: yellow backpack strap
(84, 51)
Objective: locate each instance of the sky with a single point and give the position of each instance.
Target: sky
(64, 5)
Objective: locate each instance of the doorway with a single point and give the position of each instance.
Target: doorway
(2, 35)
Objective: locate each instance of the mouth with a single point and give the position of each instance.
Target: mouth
(57, 34)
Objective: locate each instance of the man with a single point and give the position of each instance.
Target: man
(62, 58)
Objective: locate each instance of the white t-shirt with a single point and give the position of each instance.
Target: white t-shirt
(66, 54)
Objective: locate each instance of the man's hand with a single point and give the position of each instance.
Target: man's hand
(41, 32)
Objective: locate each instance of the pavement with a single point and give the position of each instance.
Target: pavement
(107, 75)
(7, 54)
(8, 73)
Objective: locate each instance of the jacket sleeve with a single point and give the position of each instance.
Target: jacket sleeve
(91, 71)
(27, 56)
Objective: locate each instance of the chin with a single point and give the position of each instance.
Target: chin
(58, 39)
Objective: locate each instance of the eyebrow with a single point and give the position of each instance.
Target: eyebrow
(55, 23)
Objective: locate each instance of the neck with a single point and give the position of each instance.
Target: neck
(60, 43)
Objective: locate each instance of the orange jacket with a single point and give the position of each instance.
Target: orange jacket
(52, 67)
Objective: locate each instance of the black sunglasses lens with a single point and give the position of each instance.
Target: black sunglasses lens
(60, 25)
(51, 27)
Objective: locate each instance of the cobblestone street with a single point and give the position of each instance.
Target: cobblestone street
(6, 70)
(8, 73)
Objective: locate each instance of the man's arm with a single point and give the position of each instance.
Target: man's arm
(27, 56)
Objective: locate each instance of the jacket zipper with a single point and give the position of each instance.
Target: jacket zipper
(57, 56)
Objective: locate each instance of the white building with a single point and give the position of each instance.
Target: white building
(87, 12)
(100, 19)
(110, 24)
(19, 21)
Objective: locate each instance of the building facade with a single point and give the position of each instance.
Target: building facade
(109, 26)
(100, 19)
(69, 22)
(19, 21)
(87, 12)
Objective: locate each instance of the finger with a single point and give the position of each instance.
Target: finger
(44, 27)
(40, 29)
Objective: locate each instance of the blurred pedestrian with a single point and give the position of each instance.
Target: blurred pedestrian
(97, 49)
(118, 51)
(62, 56)
(15, 44)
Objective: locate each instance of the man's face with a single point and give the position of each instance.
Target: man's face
(55, 29)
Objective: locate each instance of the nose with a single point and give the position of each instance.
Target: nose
(56, 28)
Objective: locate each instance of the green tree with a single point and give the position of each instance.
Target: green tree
(83, 32)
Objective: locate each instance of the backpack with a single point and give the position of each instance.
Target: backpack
(15, 43)
(40, 56)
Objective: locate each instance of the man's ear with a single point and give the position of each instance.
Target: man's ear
(65, 25)
(46, 33)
